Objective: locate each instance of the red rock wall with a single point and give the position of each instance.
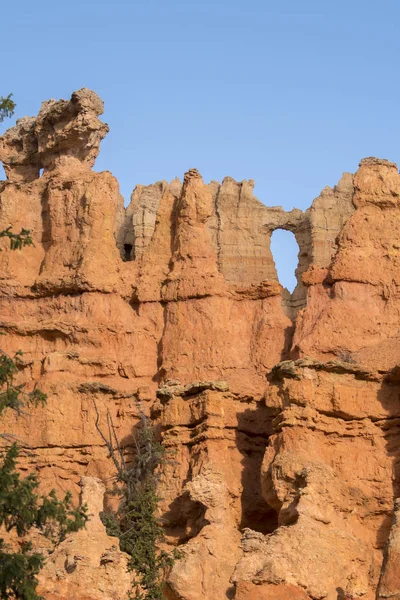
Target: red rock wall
(284, 473)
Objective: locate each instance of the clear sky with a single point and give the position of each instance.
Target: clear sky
(288, 93)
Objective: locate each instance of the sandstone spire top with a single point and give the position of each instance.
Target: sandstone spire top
(371, 161)
(63, 130)
(191, 174)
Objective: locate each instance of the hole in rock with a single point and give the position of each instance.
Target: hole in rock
(285, 251)
(261, 518)
(184, 520)
(231, 592)
(2, 173)
(41, 171)
(128, 252)
(257, 514)
(251, 441)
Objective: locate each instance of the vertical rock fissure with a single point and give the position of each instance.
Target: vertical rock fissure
(219, 227)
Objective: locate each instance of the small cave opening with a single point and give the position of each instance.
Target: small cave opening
(251, 441)
(285, 252)
(127, 256)
(184, 519)
(257, 514)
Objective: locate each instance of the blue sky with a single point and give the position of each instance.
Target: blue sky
(290, 94)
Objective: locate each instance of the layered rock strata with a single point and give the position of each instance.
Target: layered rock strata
(279, 411)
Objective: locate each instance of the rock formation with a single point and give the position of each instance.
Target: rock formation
(280, 411)
(88, 565)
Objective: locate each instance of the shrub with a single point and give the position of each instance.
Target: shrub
(134, 523)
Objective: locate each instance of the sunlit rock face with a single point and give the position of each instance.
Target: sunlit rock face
(279, 411)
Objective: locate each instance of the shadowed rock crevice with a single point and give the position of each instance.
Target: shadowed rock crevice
(256, 513)
(252, 440)
(184, 520)
(127, 253)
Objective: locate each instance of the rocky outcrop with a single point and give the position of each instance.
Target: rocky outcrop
(88, 565)
(328, 475)
(279, 411)
(211, 486)
(389, 583)
(63, 132)
(352, 306)
(240, 228)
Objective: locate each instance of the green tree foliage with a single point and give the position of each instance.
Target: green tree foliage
(134, 523)
(17, 240)
(21, 507)
(12, 395)
(7, 107)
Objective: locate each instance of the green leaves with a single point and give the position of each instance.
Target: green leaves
(60, 513)
(7, 107)
(18, 573)
(17, 240)
(13, 395)
(135, 523)
(21, 509)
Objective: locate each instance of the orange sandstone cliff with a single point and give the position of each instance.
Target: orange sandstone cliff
(282, 411)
